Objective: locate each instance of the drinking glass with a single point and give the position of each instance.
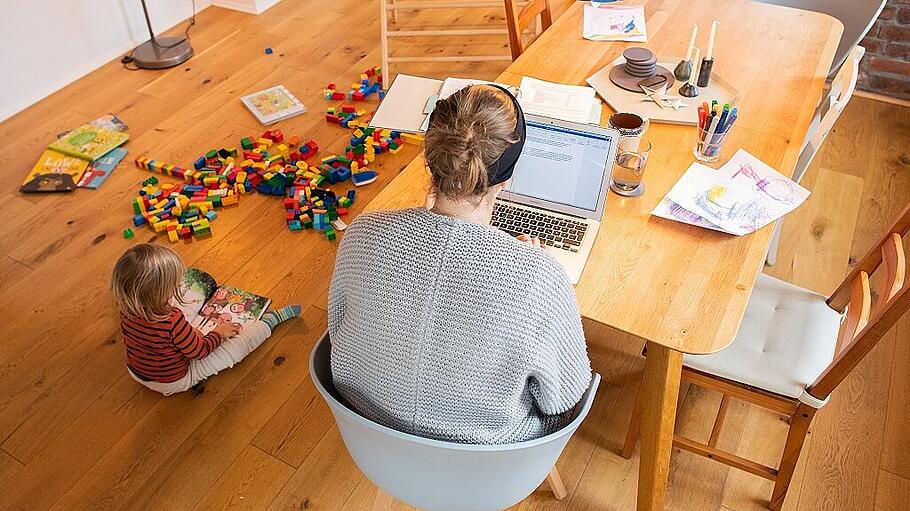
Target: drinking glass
(709, 145)
(631, 159)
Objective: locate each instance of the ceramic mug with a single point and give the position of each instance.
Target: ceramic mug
(629, 124)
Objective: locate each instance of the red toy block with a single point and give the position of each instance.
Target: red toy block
(330, 86)
(338, 95)
(348, 109)
(333, 118)
(358, 96)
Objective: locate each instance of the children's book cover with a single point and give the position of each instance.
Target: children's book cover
(101, 169)
(219, 304)
(54, 172)
(273, 104)
(88, 142)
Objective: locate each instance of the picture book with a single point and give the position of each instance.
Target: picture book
(101, 169)
(218, 304)
(54, 172)
(273, 105)
(614, 23)
(106, 121)
(88, 142)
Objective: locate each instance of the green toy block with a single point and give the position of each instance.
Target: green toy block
(211, 154)
(247, 144)
(128, 233)
(330, 234)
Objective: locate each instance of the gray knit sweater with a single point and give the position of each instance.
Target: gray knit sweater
(455, 331)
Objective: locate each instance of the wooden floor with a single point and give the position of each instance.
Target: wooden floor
(77, 433)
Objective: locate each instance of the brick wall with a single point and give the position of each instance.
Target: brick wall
(886, 67)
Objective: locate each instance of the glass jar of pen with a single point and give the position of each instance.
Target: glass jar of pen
(715, 122)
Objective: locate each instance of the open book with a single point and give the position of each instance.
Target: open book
(411, 99)
(216, 304)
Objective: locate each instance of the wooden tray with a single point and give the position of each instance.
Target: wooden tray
(624, 101)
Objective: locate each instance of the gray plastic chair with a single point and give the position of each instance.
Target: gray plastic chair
(442, 476)
(857, 17)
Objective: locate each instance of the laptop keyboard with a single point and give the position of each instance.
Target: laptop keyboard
(553, 231)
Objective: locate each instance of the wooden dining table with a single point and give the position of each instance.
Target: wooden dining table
(680, 288)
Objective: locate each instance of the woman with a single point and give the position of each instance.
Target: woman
(443, 326)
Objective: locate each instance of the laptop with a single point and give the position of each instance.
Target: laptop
(559, 188)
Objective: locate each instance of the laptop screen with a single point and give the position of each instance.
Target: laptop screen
(562, 165)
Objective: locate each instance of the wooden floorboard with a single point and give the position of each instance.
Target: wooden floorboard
(77, 433)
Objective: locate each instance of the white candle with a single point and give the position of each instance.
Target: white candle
(695, 68)
(692, 42)
(710, 53)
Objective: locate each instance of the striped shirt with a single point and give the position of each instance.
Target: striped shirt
(161, 350)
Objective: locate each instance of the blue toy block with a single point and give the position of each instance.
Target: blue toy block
(211, 215)
(199, 163)
(295, 225)
(351, 195)
(364, 178)
(138, 220)
(269, 51)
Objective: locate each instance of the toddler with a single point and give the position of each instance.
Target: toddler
(164, 352)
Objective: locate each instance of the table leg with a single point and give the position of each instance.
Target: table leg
(660, 386)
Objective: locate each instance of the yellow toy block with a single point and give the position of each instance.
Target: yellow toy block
(172, 235)
(412, 138)
(267, 142)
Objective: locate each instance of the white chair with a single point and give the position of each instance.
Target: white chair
(829, 111)
(441, 476)
(785, 356)
(857, 16)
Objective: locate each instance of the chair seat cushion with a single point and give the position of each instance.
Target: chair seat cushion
(786, 340)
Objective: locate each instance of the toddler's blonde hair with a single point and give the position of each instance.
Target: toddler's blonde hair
(145, 279)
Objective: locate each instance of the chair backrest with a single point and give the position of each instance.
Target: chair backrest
(857, 16)
(829, 110)
(867, 322)
(519, 19)
(440, 476)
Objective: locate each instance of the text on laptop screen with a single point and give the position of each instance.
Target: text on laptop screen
(562, 165)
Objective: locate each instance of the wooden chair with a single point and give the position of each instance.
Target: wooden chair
(785, 356)
(393, 7)
(839, 94)
(520, 19)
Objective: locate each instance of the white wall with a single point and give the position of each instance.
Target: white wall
(47, 44)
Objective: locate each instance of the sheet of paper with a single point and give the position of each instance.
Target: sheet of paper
(741, 197)
(615, 23)
(558, 101)
(673, 211)
(596, 110)
(403, 106)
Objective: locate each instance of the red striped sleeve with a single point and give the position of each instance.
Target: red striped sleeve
(190, 341)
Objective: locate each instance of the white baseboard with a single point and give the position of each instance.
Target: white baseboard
(250, 6)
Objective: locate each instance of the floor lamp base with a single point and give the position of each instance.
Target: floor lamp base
(164, 52)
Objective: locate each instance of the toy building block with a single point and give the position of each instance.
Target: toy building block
(364, 177)
(128, 233)
(330, 234)
(269, 51)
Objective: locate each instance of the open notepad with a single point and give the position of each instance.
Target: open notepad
(411, 99)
